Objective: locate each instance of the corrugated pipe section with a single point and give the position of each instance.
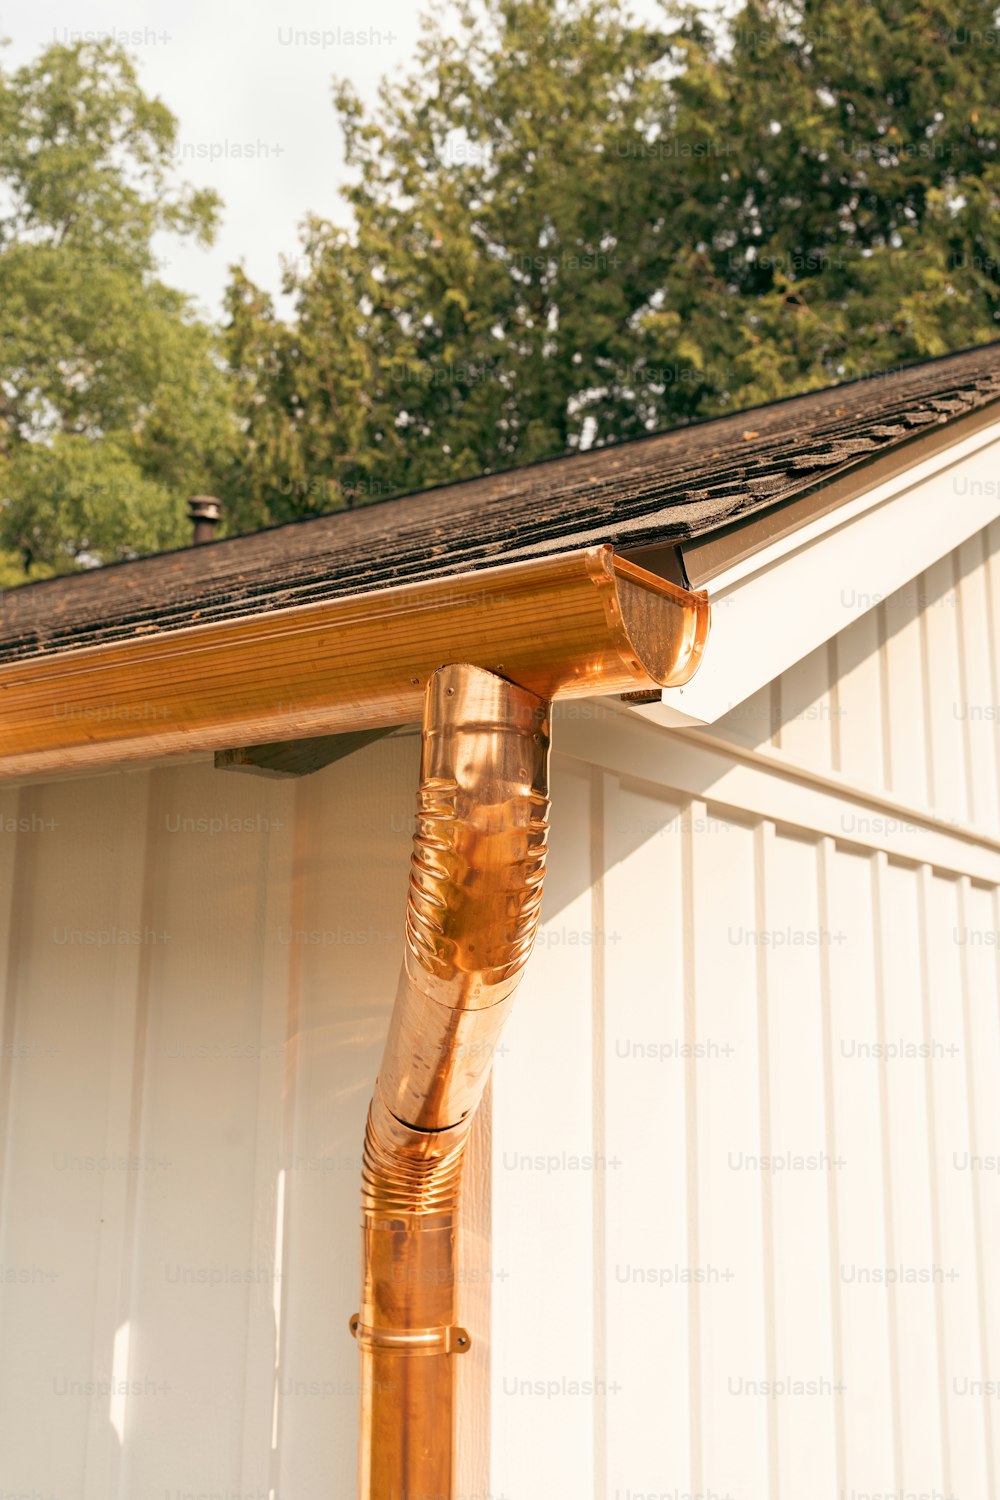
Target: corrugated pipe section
(475, 891)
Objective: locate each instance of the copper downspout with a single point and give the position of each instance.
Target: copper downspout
(475, 891)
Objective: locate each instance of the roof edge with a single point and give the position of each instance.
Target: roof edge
(706, 558)
(778, 604)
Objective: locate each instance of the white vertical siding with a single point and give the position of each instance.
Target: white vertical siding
(733, 1222)
(797, 1202)
(793, 1254)
(649, 1242)
(198, 972)
(964, 1323)
(862, 728)
(733, 1327)
(862, 1328)
(906, 698)
(978, 922)
(547, 1180)
(908, 1175)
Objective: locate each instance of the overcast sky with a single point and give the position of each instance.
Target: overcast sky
(235, 76)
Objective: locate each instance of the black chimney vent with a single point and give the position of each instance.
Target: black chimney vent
(205, 512)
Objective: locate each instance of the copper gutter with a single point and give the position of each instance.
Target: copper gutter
(573, 625)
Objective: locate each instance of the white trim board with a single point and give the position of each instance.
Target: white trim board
(771, 610)
(765, 786)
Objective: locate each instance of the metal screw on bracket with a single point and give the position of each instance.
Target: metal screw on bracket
(412, 1341)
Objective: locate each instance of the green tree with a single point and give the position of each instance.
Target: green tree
(505, 228)
(568, 228)
(856, 215)
(113, 401)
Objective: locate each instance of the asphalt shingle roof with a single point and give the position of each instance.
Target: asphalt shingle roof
(672, 486)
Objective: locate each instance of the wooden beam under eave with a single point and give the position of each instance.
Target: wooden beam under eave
(296, 757)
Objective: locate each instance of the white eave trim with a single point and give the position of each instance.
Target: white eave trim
(772, 609)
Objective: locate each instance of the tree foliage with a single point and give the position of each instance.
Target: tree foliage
(562, 228)
(113, 402)
(567, 228)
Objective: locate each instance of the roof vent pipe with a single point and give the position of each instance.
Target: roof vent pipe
(475, 890)
(204, 512)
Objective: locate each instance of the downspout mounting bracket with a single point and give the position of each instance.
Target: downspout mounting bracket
(440, 1340)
